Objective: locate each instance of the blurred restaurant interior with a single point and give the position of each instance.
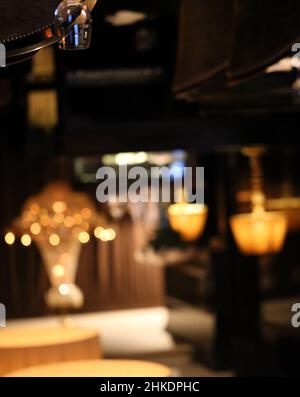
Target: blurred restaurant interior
(202, 290)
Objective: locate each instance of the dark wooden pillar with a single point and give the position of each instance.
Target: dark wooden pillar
(236, 279)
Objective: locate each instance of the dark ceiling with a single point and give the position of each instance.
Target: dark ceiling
(119, 94)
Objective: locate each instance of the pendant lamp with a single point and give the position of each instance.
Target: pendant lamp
(188, 219)
(259, 232)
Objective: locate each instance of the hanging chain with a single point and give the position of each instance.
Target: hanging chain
(258, 198)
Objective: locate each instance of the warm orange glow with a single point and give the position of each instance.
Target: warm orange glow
(96, 368)
(58, 271)
(85, 226)
(69, 221)
(65, 258)
(35, 208)
(54, 239)
(35, 228)
(58, 221)
(86, 213)
(64, 289)
(105, 234)
(59, 218)
(10, 238)
(45, 220)
(98, 231)
(76, 231)
(59, 206)
(84, 237)
(188, 219)
(77, 219)
(29, 216)
(259, 233)
(26, 240)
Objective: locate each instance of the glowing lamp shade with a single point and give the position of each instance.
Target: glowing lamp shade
(59, 220)
(188, 219)
(259, 233)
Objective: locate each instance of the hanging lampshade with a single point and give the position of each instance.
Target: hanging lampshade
(188, 219)
(59, 220)
(259, 232)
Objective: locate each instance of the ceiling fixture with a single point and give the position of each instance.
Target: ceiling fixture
(188, 219)
(23, 32)
(73, 24)
(259, 232)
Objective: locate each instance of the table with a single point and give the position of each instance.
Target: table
(24, 347)
(97, 368)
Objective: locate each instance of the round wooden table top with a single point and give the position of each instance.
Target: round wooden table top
(96, 368)
(34, 337)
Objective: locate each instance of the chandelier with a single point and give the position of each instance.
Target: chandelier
(59, 220)
(260, 232)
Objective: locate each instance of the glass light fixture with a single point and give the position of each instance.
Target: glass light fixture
(58, 220)
(188, 219)
(73, 24)
(259, 232)
(40, 24)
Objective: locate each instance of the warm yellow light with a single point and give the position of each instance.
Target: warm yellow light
(58, 271)
(188, 219)
(10, 238)
(131, 158)
(65, 258)
(69, 221)
(77, 219)
(84, 237)
(59, 217)
(125, 158)
(45, 220)
(259, 233)
(59, 206)
(105, 234)
(29, 216)
(86, 213)
(43, 211)
(57, 220)
(53, 223)
(85, 226)
(76, 230)
(124, 17)
(110, 234)
(35, 228)
(35, 208)
(26, 240)
(64, 289)
(98, 231)
(54, 239)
